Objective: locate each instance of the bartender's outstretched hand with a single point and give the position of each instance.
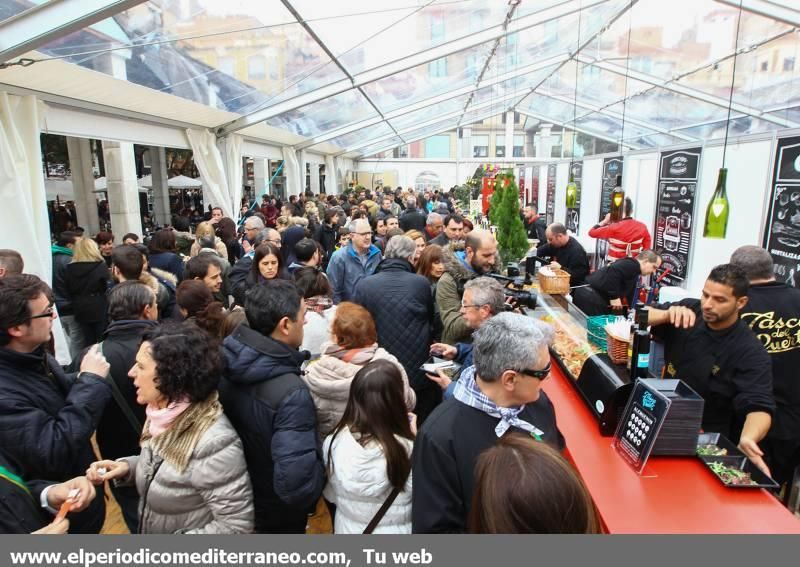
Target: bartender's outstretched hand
(681, 317)
(750, 448)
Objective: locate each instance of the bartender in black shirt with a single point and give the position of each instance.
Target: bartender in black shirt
(566, 252)
(614, 287)
(773, 313)
(710, 348)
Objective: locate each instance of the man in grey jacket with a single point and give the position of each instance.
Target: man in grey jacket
(351, 264)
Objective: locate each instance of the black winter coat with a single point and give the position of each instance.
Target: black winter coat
(412, 219)
(401, 304)
(274, 415)
(46, 422)
(87, 283)
(60, 263)
(327, 236)
(20, 510)
(238, 276)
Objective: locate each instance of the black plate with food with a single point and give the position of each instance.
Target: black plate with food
(738, 472)
(716, 445)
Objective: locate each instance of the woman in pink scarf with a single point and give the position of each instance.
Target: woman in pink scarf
(353, 344)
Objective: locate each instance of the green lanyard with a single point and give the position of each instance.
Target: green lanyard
(14, 479)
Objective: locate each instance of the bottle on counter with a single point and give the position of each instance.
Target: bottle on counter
(617, 201)
(639, 361)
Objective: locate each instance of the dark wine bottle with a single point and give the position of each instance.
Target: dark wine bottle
(617, 201)
(716, 225)
(640, 347)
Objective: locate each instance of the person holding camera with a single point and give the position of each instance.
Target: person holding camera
(483, 298)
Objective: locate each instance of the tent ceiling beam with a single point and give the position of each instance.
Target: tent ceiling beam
(406, 63)
(582, 130)
(768, 9)
(51, 20)
(684, 90)
(444, 97)
(432, 121)
(580, 48)
(331, 55)
(616, 115)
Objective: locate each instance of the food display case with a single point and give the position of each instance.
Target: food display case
(604, 386)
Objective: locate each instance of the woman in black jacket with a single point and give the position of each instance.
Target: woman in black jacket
(86, 281)
(163, 253)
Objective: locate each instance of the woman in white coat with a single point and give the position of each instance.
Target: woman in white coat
(353, 344)
(369, 455)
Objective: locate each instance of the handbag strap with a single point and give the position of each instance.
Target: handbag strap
(376, 519)
(122, 402)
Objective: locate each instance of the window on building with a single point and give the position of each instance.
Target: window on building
(437, 27)
(227, 65)
(427, 181)
(517, 117)
(765, 65)
(519, 146)
(257, 68)
(480, 146)
(500, 145)
(788, 64)
(438, 68)
(437, 147)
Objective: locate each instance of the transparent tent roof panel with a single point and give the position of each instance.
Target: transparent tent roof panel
(429, 112)
(353, 138)
(330, 113)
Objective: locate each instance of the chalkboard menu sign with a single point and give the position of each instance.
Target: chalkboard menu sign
(574, 212)
(611, 168)
(782, 233)
(677, 187)
(551, 193)
(534, 183)
(640, 423)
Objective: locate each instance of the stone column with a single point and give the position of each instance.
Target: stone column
(314, 177)
(123, 189)
(80, 161)
(466, 143)
(158, 172)
(261, 178)
(509, 135)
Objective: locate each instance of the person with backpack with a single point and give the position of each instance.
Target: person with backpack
(368, 455)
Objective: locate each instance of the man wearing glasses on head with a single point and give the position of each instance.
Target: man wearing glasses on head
(500, 395)
(349, 265)
(47, 417)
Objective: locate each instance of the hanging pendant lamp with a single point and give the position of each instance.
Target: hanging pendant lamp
(718, 210)
(572, 187)
(616, 212)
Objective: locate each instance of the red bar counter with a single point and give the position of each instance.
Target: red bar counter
(674, 495)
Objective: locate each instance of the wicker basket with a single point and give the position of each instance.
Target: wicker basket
(554, 285)
(617, 348)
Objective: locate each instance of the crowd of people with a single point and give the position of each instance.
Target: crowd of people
(235, 376)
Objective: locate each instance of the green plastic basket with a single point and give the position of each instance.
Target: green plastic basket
(596, 330)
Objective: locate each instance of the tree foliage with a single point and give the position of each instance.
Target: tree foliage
(512, 239)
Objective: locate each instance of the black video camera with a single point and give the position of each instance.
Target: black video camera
(514, 288)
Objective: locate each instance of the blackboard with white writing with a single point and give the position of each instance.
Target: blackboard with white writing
(782, 231)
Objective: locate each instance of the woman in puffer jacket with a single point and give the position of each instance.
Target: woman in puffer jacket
(353, 344)
(368, 455)
(191, 475)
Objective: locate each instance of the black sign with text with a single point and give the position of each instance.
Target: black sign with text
(574, 207)
(782, 231)
(640, 423)
(551, 193)
(677, 188)
(534, 185)
(611, 168)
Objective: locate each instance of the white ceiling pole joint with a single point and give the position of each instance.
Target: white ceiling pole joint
(38, 26)
(409, 62)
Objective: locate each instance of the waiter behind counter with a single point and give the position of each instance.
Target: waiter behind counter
(710, 348)
(565, 253)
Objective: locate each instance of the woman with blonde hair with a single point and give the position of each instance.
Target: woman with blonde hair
(204, 229)
(353, 344)
(419, 241)
(86, 281)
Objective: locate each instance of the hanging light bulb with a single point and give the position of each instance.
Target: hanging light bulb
(572, 192)
(717, 212)
(617, 200)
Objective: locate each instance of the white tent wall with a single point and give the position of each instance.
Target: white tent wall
(210, 163)
(291, 170)
(562, 178)
(230, 147)
(590, 198)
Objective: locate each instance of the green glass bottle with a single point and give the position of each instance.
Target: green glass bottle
(572, 192)
(617, 200)
(716, 225)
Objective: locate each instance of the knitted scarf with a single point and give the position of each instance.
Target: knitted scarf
(318, 303)
(358, 356)
(177, 443)
(467, 392)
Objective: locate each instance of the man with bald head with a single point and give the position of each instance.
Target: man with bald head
(566, 253)
(357, 260)
(477, 258)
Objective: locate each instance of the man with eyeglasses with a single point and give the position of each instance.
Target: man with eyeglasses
(500, 395)
(351, 264)
(47, 417)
